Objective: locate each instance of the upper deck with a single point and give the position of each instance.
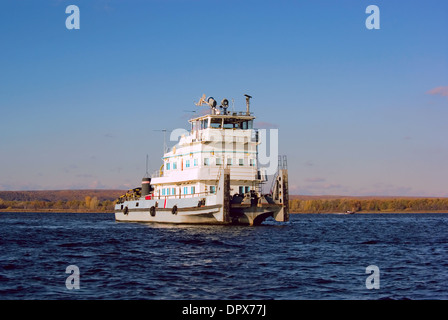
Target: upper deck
(220, 138)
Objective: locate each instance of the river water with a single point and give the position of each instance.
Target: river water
(313, 256)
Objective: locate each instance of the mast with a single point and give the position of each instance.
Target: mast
(247, 104)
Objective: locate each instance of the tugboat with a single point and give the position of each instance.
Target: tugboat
(211, 176)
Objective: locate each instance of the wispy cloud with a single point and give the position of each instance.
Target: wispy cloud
(96, 184)
(315, 179)
(265, 125)
(309, 163)
(321, 189)
(84, 175)
(442, 91)
(70, 168)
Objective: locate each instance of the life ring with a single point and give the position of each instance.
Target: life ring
(126, 210)
(152, 211)
(174, 210)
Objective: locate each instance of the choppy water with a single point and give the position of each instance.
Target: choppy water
(311, 257)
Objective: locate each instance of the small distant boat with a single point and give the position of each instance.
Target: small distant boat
(346, 212)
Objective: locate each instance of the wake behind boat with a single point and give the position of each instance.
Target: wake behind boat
(212, 176)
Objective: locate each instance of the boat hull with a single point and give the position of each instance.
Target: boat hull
(248, 218)
(212, 214)
(200, 215)
(216, 208)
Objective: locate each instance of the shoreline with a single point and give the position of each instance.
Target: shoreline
(295, 213)
(369, 212)
(53, 210)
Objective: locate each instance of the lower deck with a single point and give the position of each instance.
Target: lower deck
(198, 210)
(211, 208)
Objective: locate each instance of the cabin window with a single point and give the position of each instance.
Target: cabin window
(212, 189)
(167, 166)
(229, 161)
(241, 190)
(187, 164)
(206, 161)
(185, 190)
(163, 192)
(218, 161)
(195, 162)
(246, 189)
(173, 191)
(192, 190)
(195, 126)
(252, 162)
(241, 162)
(174, 165)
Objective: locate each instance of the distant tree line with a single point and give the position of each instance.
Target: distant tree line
(369, 205)
(89, 203)
(92, 204)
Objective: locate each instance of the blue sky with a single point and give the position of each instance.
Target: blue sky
(359, 112)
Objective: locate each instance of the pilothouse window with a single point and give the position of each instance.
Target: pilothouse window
(228, 126)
